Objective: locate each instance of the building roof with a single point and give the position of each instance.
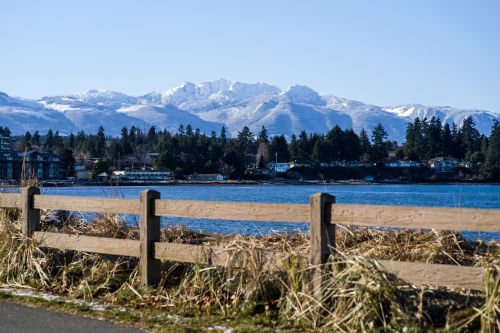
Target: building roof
(34, 151)
(441, 158)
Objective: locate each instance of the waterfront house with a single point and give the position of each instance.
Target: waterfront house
(402, 164)
(345, 164)
(142, 175)
(278, 167)
(206, 177)
(468, 165)
(443, 164)
(103, 176)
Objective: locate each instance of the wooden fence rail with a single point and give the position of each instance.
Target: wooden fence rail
(322, 214)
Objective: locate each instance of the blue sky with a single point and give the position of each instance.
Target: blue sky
(380, 52)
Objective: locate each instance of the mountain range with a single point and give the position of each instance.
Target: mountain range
(211, 105)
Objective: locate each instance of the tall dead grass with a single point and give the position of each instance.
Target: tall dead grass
(358, 296)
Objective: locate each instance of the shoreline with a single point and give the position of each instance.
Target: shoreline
(252, 182)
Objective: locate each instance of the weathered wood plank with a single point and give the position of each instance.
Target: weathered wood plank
(418, 217)
(86, 204)
(250, 211)
(10, 200)
(215, 256)
(149, 230)
(365, 215)
(31, 216)
(437, 275)
(191, 253)
(103, 245)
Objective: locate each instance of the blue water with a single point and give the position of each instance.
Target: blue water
(465, 196)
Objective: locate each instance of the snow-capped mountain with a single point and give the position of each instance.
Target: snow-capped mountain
(211, 105)
(21, 115)
(207, 96)
(482, 118)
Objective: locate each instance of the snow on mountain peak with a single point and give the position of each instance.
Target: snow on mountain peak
(204, 95)
(303, 94)
(103, 96)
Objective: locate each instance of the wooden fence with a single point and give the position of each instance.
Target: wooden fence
(321, 213)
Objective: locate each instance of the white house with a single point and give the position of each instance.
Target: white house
(206, 177)
(443, 164)
(278, 167)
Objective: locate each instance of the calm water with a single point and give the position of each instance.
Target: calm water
(465, 196)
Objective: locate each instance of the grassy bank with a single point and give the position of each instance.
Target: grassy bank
(358, 295)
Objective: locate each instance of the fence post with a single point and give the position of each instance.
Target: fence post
(149, 230)
(31, 216)
(322, 236)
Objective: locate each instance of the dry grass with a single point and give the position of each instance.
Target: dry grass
(358, 295)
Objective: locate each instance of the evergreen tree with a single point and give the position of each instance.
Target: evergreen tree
(100, 142)
(294, 148)
(114, 151)
(415, 144)
(126, 147)
(335, 142)
(49, 140)
(446, 141)
(232, 160)
(379, 145)
(245, 141)
(484, 146)
(223, 136)
(352, 146)
(79, 140)
(318, 151)
(365, 146)
(471, 139)
(456, 138)
(263, 137)
(491, 167)
(58, 142)
(132, 137)
(71, 141)
(189, 130)
(433, 135)
(278, 149)
(68, 162)
(27, 141)
(181, 130)
(304, 147)
(152, 138)
(35, 140)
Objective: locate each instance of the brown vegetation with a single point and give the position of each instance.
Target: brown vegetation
(357, 294)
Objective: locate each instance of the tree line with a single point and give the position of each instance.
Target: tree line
(189, 150)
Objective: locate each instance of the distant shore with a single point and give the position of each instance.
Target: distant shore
(258, 182)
